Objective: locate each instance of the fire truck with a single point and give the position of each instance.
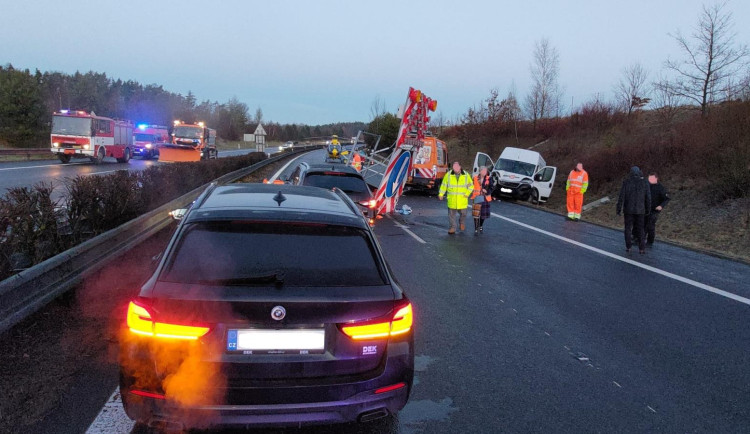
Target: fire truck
(190, 142)
(147, 139)
(80, 134)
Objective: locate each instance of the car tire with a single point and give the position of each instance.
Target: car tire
(64, 158)
(534, 198)
(100, 154)
(125, 156)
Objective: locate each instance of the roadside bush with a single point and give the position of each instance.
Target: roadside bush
(34, 227)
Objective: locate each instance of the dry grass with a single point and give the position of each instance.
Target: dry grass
(721, 229)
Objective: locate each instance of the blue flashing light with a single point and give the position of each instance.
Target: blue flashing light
(64, 112)
(142, 126)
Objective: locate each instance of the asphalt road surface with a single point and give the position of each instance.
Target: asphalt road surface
(28, 173)
(544, 325)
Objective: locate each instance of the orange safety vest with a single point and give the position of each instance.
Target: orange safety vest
(578, 182)
(357, 162)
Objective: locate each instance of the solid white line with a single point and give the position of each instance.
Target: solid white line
(703, 286)
(280, 171)
(407, 230)
(37, 167)
(99, 173)
(112, 418)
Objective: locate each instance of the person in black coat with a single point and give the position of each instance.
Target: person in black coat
(635, 203)
(659, 199)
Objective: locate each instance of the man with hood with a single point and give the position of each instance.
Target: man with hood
(635, 202)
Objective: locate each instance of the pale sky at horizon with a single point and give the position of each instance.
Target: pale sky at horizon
(325, 61)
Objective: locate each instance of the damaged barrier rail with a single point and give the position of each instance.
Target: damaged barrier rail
(28, 291)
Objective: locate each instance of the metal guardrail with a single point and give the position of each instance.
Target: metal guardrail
(28, 291)
(28, 152)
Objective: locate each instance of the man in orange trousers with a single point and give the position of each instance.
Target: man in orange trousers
(578, 183)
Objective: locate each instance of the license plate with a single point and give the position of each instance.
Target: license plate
(258, 341)
(506, 190)
(69, 151)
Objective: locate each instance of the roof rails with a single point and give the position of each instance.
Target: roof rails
(347, 200)
(203, 196)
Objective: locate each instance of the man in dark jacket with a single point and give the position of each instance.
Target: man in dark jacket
(635, 202)
(659, 199)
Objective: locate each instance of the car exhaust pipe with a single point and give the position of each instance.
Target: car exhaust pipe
(372, 415)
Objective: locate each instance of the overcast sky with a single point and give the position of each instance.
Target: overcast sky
(325, 61)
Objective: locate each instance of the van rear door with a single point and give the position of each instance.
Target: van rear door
(480, 160)
(544, 179)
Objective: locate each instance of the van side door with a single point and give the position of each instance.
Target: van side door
(544, 179)
(480, 160)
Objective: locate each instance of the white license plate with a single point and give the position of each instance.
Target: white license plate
(300, 341)
(506, 190)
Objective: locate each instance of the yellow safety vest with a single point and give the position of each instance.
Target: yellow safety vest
(458, 189)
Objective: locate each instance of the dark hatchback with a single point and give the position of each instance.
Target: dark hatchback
(272, 306)
(336, 175)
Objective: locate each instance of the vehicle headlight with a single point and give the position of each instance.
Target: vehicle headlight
(55, 145)
(281, 148)
(85, 146)
(148, 145)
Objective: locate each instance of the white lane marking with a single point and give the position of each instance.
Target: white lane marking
(617, 384)
(56, 166)
(703, 286)
(649, 407)
(100, 173)
(112, 418)
(280, 171)
(407, 230)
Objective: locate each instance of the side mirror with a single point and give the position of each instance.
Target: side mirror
(178, 214)
(538, 177)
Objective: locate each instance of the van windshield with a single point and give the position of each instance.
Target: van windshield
(514, 166)
(247, 253)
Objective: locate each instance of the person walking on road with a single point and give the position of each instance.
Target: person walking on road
(578, 183)
(481, 198)
(635, 202)
(659, 199)
(458, 187)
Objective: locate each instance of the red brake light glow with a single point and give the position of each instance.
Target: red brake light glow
(157, 395)
(140, 321)
(389, 388)
(400, 323)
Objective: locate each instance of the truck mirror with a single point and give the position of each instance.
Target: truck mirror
(538, 177)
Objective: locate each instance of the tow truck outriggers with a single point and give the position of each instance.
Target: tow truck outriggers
(190, 142)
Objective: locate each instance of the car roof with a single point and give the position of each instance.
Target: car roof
(274, 202)
(332, 167)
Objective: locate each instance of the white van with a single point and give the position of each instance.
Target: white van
(519, 173)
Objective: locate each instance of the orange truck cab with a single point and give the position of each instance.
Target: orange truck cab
(429, 165)
(190, 142)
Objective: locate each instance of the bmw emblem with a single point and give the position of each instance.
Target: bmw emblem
(278, 313)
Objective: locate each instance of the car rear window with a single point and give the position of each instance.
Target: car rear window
(347, 182)
(267, 254)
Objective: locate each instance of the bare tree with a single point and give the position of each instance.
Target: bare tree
(377, 108)
(666, 102)
(711, 60)
(544, 98)
(631, 92)
(438, 121)
(258, 115)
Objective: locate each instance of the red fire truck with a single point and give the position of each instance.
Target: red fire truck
(81, 134)
(147, 139)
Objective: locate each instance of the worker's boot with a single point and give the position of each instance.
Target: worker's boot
(463, 227)
(451, 231)
(476, 226)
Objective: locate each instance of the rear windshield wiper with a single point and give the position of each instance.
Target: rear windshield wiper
(275, 278)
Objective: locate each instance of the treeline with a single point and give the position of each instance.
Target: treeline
(28, 99)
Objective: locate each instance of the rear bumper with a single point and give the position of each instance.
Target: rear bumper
(354, 408)
(417, 183)
(293, 406)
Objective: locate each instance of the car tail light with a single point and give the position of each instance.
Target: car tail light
(389, 388)
(160, 396)
(140, 321)
(400, 323)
